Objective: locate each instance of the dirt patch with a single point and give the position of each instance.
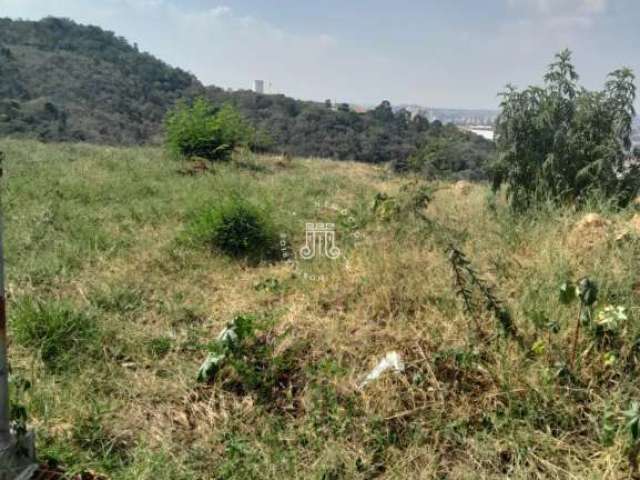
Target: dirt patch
(196, 167)
(462, 187)
(634, 224)
(629, 230)
(590, 231)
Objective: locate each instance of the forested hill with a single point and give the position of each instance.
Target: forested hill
(64, 81)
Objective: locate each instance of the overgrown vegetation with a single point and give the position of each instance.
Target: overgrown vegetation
(564, 143)
(141, 312)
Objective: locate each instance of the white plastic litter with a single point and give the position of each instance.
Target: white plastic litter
(228, 334)
(214, 361)
(210, 366)
(391, 361)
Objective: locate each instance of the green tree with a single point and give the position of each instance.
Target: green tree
(563, 142)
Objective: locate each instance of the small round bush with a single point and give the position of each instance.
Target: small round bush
(238, 228)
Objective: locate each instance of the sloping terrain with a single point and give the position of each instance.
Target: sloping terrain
(112, 313)
(64, 81)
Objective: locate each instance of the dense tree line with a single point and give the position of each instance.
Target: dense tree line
(319, 129)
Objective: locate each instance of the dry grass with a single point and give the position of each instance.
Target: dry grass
(97, 227)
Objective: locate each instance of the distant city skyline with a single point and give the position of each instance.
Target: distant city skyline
(456, 54)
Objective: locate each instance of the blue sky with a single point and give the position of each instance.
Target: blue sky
(445, 53)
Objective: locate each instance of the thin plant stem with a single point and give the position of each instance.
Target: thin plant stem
(576, 336)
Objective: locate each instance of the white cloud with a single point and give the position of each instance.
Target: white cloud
(596, 5)
(560, 19)
(561, 7)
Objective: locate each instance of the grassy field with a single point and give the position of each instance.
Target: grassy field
(111, 313)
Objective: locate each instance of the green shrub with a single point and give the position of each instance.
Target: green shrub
(236, 227)
(203, 131)
(58, 332)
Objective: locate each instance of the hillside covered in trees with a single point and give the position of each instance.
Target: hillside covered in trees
(62, 81)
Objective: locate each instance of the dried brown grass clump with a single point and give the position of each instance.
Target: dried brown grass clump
(195, 166)
(634, 224)
(462, 187)
(591, 231)
(629, 230)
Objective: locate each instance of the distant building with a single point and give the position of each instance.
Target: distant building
(258, 86)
